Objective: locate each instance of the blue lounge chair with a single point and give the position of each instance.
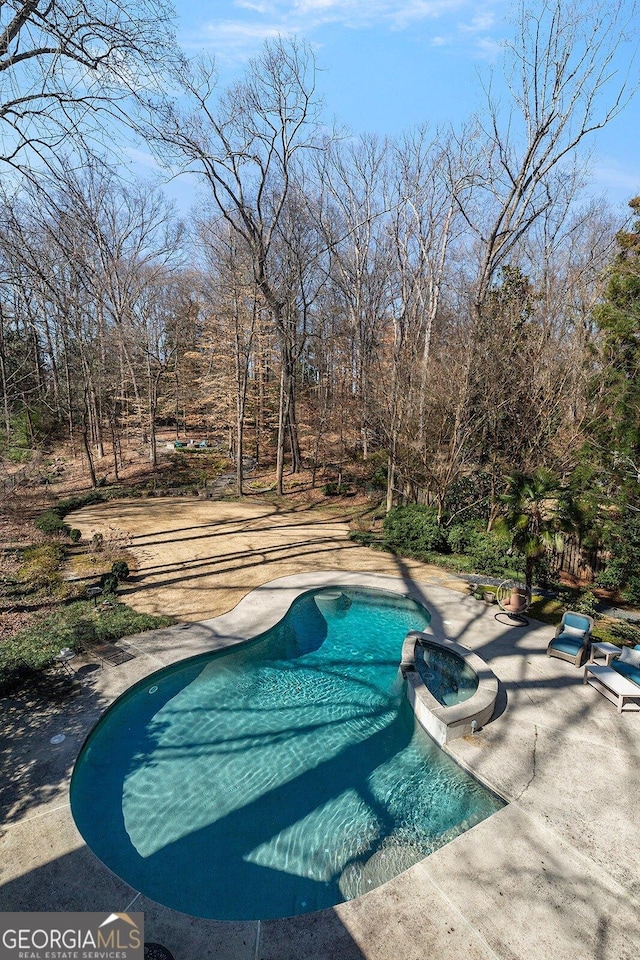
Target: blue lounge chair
(572, 640)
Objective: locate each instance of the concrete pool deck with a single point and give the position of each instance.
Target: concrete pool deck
(553, 874)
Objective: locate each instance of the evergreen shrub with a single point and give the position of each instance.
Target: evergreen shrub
(587, 604)
(491, 554)
(622, 630)
(109, 583)
(120, 569)
(50, 523)
(414, 529)
(363, 537)
(334, 489)
(613, 576)
(631, 592)
(461, 536)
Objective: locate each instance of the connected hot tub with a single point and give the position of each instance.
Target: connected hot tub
(452, 690)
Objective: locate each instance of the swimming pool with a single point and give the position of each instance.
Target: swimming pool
(278, 777)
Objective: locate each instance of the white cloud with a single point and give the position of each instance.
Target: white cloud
(257, 20)
(480, 23)
(488, 48)
(255, 6)
(235, 40)
(612, 175)
(143, 158)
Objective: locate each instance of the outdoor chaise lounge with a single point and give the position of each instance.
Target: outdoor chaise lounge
(628, 664)
(572, 638)
(620, 680)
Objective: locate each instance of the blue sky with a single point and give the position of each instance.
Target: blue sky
(387, 65)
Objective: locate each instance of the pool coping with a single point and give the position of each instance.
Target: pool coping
(532, 754)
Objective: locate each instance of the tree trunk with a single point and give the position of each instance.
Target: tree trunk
(294, 440)
(240, 448)
(281, 436)
(87, 450)
(391, 473)
(3, 376)
(114, 446)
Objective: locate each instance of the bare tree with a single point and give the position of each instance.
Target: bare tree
(231, 297)
(61, 62)
(563, 82)
(354, 175)
(90, 260)
(246, 144)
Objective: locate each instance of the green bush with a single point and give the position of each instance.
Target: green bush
(334, 489)
(74, 535)
(120, 569)
(50, 523)
(623, 630)
(543, 572)
(587, 603)
(613, 576)
(363, 537)
(623, 540)
(414, 530)
(375, 472)
(490, 553)
(69, 504)
(631, 592)
(461, 536)
(109, 583)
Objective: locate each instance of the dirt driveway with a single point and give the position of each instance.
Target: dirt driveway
(196, 558)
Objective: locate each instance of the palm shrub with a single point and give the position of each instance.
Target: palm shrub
(535, 513)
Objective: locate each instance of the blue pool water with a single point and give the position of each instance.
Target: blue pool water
(279, 777)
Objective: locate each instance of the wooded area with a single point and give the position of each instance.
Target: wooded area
(446, 306)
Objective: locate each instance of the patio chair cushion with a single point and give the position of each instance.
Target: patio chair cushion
(575, 624)
(627, 670)
(566, 643)
(628, 664)
(627, 655)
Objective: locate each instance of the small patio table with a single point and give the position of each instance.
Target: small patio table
(64, 658)
(602, 649)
